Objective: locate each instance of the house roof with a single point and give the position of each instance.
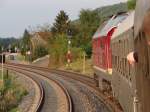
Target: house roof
(125, 25)
(44, 35)
(113, 22)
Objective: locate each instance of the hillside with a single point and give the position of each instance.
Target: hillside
(107, 11)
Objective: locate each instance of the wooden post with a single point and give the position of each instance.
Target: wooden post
(84, 56)
(7, 74)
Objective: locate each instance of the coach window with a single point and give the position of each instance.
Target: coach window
(124, 66)
(117, 63)
(130, 72)
(126, 69)
(113, 59)
(114, 63)
(124, 47)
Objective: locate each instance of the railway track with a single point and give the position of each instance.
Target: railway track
(55, 97)
(39, 97)
(85, 86)
(77, 76)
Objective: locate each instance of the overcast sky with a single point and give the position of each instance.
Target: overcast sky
(16, 15)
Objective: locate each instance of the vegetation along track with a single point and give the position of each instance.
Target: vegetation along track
(80, 88)
(57, 98)
(39, 93)
(39, 97)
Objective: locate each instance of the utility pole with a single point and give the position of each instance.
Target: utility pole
(2, 68)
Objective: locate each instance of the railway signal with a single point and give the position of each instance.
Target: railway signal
(69, 34)
(68, 58)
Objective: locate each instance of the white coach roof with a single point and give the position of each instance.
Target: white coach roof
(125, 25)
(111, 23)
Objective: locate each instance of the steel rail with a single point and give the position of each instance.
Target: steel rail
(41, 100)
(69, 101)
(74, 75)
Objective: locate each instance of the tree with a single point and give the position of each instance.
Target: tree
(26, 42)
(0, 49)
(61, 24)
(89, 21)
(58, 49)
(40, 51)
(131, 4)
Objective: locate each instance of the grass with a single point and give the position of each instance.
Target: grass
(11, 94)
(77, 66)
(20, 57)
(14, 110)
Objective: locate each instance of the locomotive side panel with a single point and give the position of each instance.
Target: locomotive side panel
(123, 73)
(99, 52)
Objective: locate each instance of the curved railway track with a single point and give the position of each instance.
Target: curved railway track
(85, 86)
(50, 102)
(40, 98)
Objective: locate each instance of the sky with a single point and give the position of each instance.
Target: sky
(16, 15)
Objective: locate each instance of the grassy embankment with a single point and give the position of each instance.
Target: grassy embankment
(11, 93)
(77, 66)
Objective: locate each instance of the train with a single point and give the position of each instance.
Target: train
(112, 43)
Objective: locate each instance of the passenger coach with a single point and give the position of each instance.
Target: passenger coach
(123, 74)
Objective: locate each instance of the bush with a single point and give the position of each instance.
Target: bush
(88, 49)
(131, 4)
(77, 53)
(11, 94)
(39, 52)
(58, 50)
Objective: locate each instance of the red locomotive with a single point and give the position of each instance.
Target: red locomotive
(102, 51)
(101, 42)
